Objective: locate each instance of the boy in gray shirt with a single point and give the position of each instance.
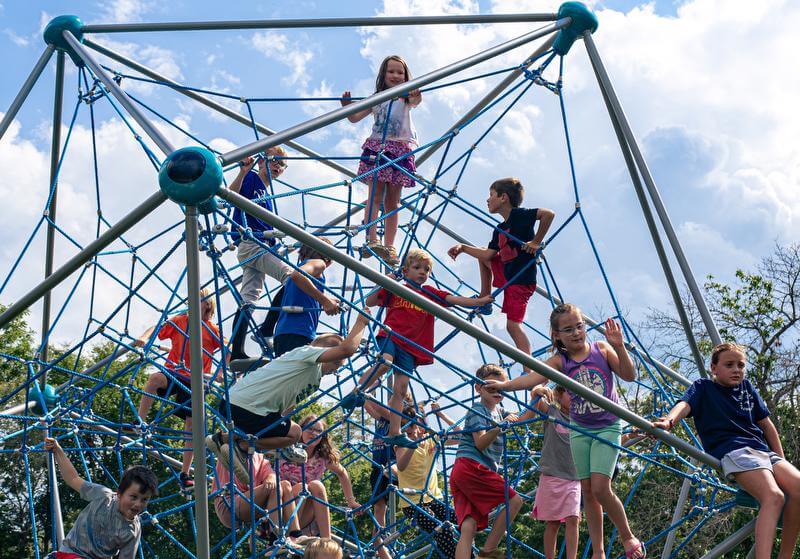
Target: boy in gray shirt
(109, 525)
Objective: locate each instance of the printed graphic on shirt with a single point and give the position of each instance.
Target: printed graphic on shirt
(590, 378)
(507, 251)
(744, 398)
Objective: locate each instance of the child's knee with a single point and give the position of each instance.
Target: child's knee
(317, 489)
(772, 499)
(513, 327)
(286, 490)
(515, 503)
(295, 432)
(156, 381)
(468, 527)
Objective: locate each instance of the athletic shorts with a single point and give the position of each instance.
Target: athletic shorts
(593, 456)
(284, 343)
(181, 389)
(400, 357)
(515, 301)
(379, 482)
(477, 491)
(253, 424)
(747, 459)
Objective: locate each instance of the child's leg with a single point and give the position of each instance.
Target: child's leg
(761, 484)
(372, 209)
(601, 490)
(371, 379)
(551, 538)
(485, 270)
(321, 512)
(272, 443)
(399, 389)
(520, 339)
(594, 519)
(464, 547)
(187, 454)
(390, 203)
(788, 479)
(379, 510)
(288, 507)
(499, 527)
(571, 536)
(155, 382)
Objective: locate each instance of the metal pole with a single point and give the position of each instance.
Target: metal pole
(222, 109)
(655, 196)
(489, 97)
(25, 89)
(137, 115)
(467, 327)
(57, 519)
(198, 391)
(677, 514)
(730, 543)
(393, 92)
(653, 228)
(323, 22)
(55, 155)
(82, 257)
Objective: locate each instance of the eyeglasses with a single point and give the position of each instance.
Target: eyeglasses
(579, 327)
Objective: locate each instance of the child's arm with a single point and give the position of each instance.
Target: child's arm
(476, 252)
(617, 356)
(437, 410)
(244, 167)
(525, 382)
(771, 435)
(403, 456)
(681, 410)
(469, 301)
(484, 438)
(376, 410)
(68, 472)
(314, 268)
(355, 117)
(346, 483)
(414, 97)
(142, 340)
(545, 396)
(545, 218)
(350, 344)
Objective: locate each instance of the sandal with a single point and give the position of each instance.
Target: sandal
(639, 551)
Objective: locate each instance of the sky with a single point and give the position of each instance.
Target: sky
(705, 84)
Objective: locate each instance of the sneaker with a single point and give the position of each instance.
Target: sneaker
(295, 454)
(186, 482)
(485, 310)
(400, 440)
(222, 451)
(388, 254)
(352, 401)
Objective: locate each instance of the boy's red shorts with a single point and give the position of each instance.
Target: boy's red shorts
(515, 297)
(65, 555)
(476, 490)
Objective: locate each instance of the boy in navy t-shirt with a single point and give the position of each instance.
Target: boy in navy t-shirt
(510, 259)
(734, 426)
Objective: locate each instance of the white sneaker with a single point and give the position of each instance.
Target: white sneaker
(295, 454)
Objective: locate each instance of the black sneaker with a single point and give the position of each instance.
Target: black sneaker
(186, 482)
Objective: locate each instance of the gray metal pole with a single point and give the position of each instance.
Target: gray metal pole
(222, 109)
(55, 155)
(137, 115)
(655, 196)
(323, 22)
(467, 327)
(488, 98)
(58, 521)
(393, 92)
(198, 391)
(82, 257)
(25, 89)
(730, 543)
(653, 228)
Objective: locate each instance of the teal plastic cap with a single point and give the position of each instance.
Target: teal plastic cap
(37, 396)
(209, 206)
(583, 20)
(190, 176)
(54, 34)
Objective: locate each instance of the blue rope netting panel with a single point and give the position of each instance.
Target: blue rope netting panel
(101, 445)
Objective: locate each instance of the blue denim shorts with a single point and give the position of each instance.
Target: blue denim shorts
(400, 357)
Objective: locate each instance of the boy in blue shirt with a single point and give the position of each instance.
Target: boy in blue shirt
(734, 426)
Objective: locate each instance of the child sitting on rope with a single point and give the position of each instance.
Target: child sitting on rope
(475, 483)
(417, 478)
(176, 329)
(509, 262)
(109, 525)
(260, 401)
(256, 261)
(296, 329)
(734, 426)
(408, 340)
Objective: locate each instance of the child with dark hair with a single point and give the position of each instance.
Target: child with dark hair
(510, 257)
(109, 525)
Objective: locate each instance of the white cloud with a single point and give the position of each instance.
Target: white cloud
(18, 40)
(295, 55)
(123, 11)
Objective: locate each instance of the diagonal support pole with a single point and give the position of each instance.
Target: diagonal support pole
(25, 89)
(732, 541)
(655, 196)
(467, 327)
(391, 93)
(154, 133)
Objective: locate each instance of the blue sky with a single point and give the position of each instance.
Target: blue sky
(704, 84)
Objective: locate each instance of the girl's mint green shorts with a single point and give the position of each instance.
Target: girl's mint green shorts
(593, 456)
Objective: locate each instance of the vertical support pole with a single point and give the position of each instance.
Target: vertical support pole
(25, 89)
(198, 392)
(655, 196)
(55, 156)
(55, 499)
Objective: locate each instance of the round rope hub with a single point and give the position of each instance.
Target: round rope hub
(190, 176)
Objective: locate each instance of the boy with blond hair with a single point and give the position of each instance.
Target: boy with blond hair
(407, 342)
(323, 548)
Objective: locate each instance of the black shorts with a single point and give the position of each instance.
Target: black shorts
(181, 388)
(379, 482)
(253, 424)
(283, 343)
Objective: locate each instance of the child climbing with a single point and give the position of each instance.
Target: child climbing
(393, 136)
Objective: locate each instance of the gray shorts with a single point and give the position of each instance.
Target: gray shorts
(747, 459)
(257, 263)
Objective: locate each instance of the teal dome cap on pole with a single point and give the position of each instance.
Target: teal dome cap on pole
(583, 19)
(54, 34)
(190, 176)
